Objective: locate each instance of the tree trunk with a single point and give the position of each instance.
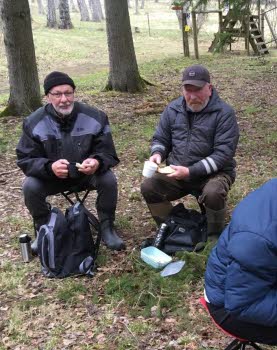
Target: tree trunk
(57, 3)
(123, 74)
(142, 4)
(40, 8)
(96, 10)
(83, 10)
(137, 7)
(73, 7)
(99, 7)
(20, 52)
(65, 20)
(51, 14)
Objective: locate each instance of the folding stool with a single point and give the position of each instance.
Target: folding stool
(237, 343)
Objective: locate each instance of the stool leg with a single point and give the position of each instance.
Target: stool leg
(255, 346)
(234, 345)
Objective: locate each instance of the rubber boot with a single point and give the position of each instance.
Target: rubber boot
(216, 221)
(110, 236)
(37, 223)
(34, 246)
(160, 211)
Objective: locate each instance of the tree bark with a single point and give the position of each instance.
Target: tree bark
(142, 4)
(65, 20)
(83, 10)
(20, 51)
(96, 10)
(51, 14)
(137, 7)
(124, 74)
(73, 7)
(40, 8)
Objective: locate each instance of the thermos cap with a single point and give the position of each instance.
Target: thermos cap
(24, 238)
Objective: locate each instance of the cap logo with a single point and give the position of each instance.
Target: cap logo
(192, 74)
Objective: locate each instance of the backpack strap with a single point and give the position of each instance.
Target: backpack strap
(95, 223)
(48, 235)
(86, 266)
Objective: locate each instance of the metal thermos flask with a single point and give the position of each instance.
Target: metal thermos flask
(160, 236)
(25, 247)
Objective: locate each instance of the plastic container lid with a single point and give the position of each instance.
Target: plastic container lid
(155, 257)
(172, 268)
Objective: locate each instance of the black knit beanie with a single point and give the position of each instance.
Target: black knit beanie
(55, 79)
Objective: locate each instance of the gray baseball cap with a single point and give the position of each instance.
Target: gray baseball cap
(196, 75)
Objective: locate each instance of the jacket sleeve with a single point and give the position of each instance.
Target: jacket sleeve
(250, 288)
(31, 157)
(103, 147)
(225, 144)
(161, 142)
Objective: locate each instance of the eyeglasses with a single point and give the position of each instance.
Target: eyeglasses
(58, 95)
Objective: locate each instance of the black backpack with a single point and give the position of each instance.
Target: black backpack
(65, 243)
(186, 229)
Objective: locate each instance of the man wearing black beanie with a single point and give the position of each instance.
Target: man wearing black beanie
(67, 144)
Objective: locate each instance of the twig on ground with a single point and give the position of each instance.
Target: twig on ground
(129, 330)
(9, 172)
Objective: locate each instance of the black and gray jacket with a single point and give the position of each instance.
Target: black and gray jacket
(205, 141)
(46, 138)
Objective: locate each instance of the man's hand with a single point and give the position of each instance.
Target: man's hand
(60, 169)
(156, 158)
(89, 166)
(180, 173)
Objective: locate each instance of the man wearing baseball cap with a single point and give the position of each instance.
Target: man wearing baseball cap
(57, 137)
(197, 137)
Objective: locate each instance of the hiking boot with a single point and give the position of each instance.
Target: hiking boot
(34, 246)
(38, 222)
(110, 236)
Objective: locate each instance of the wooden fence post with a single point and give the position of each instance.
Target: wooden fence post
(185, 34)
(220, 19)
(194, 28)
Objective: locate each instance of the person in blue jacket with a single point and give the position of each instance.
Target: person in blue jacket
(241, 274)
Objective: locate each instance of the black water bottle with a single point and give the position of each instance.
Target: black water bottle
(160, 236)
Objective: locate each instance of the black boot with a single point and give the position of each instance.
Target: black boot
(110, 237)
(38, 222)
(34, 246)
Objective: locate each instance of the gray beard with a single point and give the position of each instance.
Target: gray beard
(204, 105)
(63, 115)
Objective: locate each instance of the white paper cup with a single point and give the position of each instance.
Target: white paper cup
(149, 168)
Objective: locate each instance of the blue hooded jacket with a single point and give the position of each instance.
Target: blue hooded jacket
(241, 273)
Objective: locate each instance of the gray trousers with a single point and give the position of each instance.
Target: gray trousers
(159, 190)
(36, 191)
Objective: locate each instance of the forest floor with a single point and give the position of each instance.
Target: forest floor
(127, 305)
